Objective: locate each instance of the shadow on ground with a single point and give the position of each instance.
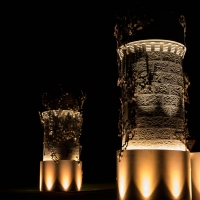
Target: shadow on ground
(88, 191)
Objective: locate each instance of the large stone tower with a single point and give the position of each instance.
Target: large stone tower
(153, 162)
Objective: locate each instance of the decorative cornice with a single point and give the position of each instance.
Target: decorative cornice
(153, 45)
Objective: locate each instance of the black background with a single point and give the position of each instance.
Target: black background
(72, 44)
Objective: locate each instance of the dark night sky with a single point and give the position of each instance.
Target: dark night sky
(48, 45)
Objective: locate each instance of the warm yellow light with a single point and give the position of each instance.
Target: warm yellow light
(65, 183)
(153, 174)
(122, 179)
(49, 182)
(65, 176)
(176, 187)
(122, 187)
(78, 175)
(79, 182)
(146, 172)
(41, 177)
(146, 187)
(49, 175)
(40, 186)
(177, 174)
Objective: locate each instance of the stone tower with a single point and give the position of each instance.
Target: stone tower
(61, 168)
(153, 162)
(152, 95)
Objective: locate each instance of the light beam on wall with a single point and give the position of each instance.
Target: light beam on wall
(176, 190)
(49, 182)
(65, 183)
(146, 187)
(79, 179)
(122, 186)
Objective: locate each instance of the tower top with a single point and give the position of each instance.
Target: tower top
(151, 24)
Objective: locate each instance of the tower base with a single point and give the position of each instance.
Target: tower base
(66, 175)
(154, 174)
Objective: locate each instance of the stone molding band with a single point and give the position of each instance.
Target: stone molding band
(153, 45)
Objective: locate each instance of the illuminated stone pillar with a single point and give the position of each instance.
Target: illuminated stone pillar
(62, 129)
(153, 162)
(61, 168)
(151, 81)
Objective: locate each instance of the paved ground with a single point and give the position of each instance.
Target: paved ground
(88, 192)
